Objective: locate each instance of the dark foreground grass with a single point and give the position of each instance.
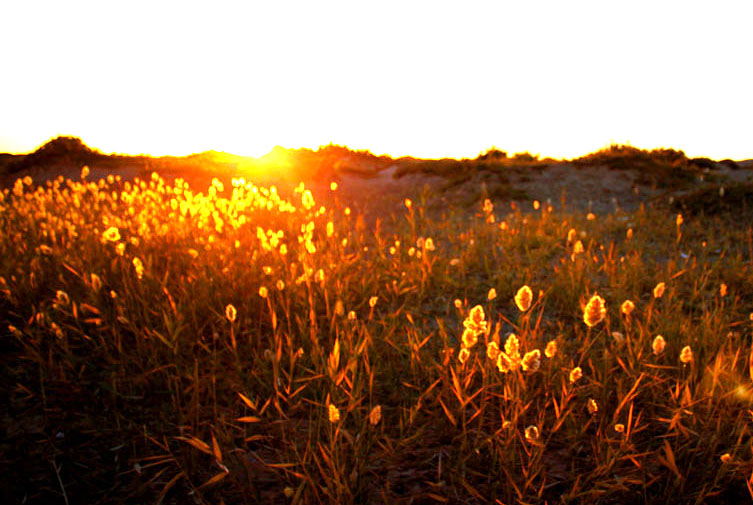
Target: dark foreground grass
(239, 346)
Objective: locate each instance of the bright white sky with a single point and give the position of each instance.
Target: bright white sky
(428, 79)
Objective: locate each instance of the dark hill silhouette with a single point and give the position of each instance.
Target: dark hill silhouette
(62, 151)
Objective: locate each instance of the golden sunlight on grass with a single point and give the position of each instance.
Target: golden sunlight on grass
(239, 343)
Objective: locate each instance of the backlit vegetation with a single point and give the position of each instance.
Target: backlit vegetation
(165, 343)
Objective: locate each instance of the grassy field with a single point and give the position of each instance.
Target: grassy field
(230, 344)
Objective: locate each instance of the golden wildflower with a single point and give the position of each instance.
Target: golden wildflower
(627, 307)
(339, 308)
(373, 301)
(723, 290)
(263, 292)
(505, 363)
(333, 186)
(488, 206)
(551, 349)
(120, 248)
(532, 433)
(411, 251)
(84, 172)
(469, 338)
(686, 355)
(458, 303)
(330, 229)
(44, 249)
(492, 350)
(512, 346)
(509, 359)
(463, 354)
(629, 234)
(61, 297)
(352, 315)
(536, 205)
(111, 234)
(193, 253)
(408, 203)
(476, 320)
(592, 406)
(375, 415)
(230, 313)
(575, 375)
(429, 244)
(571, 235)
(619, 428)
(523, 298)
(334, 414)
(492, 294)
(347, 211)
(595, 311)
(280, 285)
(531, 361)
(659, 290)
(658, 345)
(726, 457)
(139, 267)
(578, 247)
(678, 220)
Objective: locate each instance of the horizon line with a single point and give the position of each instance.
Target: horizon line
(489, 149)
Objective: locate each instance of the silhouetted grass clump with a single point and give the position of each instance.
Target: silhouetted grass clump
(663, 168)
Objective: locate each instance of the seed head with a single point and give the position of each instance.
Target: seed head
(686, 355)
(523, 298)
(334, 414)
(592, 406)
(595, 311)
(375, 415)
(469, 338)
(551, 349)
(658, 345)
(230, 313)
(659, 290)
(627, 307)
(532, 433)
(112, 234)
(575, 374)
(492, 350)
(464, 354)
(531, 361)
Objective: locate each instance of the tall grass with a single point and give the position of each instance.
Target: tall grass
(241, 346)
